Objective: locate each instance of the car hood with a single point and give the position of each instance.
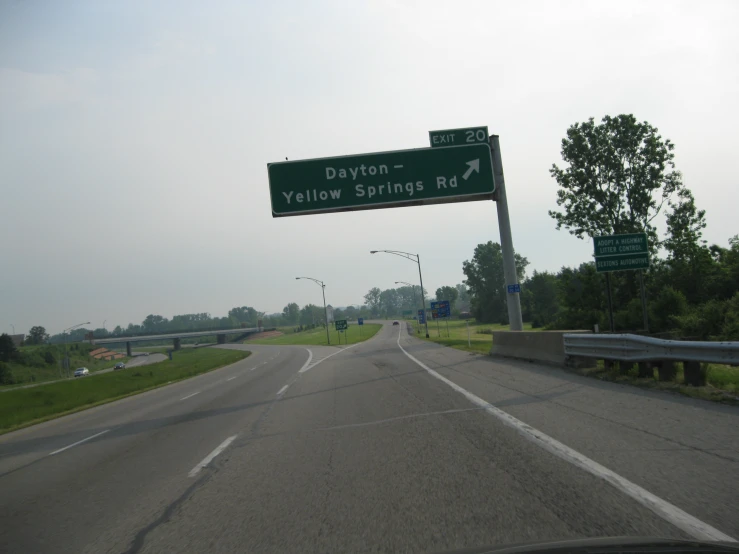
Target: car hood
(608, 545)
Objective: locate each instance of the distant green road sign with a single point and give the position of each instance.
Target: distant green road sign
(382, 180)
(621, 252)
(340, 324)
(458, 137)
(634, 243)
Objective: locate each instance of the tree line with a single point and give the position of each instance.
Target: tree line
(620, 176)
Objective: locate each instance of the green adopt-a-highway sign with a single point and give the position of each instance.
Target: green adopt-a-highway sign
(381, 180)
(621, 252)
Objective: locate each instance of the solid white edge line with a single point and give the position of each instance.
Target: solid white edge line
(209, 458)
(282, 390)
(79, 442)
(669, 512)
(189, 396)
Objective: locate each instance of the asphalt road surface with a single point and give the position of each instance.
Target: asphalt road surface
(394, 444)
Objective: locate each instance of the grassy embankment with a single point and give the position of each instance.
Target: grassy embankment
(37, 364)
(481, 334)
(22, 407)
(317, 336)
(722, 381)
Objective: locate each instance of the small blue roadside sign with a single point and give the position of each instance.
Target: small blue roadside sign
(513, 289)
(421, 316)
(360, 321)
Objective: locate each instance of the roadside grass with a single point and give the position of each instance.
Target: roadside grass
(317, 336)
(480, 335)
(23, 407)
(722, 381)
(43, 363)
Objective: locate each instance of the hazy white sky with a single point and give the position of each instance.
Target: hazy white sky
(135, 137)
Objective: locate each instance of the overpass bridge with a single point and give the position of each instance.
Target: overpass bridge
(176, 338)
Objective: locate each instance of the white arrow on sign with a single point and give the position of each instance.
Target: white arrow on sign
(474, 166)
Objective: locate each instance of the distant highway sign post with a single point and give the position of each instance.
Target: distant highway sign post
(441, 310)
(341, 325)
(462, 165)
(360, 322)
(621, 253)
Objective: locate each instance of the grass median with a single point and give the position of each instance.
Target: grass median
(317, 337)
(480, 334)
(19, 408)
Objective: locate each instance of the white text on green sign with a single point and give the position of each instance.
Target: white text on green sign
(621, 262)
(458, 137)
(389, 179)
(612, 245)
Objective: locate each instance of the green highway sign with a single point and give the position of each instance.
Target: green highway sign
(340, 324)
(621, 262)
(634, 243)
(458, 137)
(381, 180)
(621, 252)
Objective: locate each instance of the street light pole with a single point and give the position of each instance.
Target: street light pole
(64, 334)
(417, 259)
(325, 310)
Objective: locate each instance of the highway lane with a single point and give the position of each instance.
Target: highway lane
(363, 450)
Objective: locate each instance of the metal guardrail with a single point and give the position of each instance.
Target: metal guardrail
(635, 348)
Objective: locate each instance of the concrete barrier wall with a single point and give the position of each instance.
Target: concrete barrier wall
(535, 346)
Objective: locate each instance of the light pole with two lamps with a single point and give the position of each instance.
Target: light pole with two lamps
(325, 311)
(417, 259)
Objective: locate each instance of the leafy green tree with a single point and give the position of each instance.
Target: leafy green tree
(291, 313)
(665, 307)
(448, 293)
(619, 176)
(486, 282)
(581, 298)
(463, 298)
(310, 314)
(539, 299)
(154, 323)
(244, 314)
(372, 298)
(8, 351)
(37, 335)
(389, 302)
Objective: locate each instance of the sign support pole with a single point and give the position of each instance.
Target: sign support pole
(644, 300)
(515, 320)
(423, 297)
(610, 302)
